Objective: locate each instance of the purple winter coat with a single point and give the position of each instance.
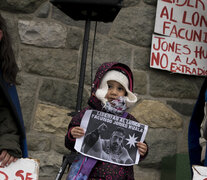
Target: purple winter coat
(103, 170)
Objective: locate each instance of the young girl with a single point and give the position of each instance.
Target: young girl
(112, 92)
(12, 133)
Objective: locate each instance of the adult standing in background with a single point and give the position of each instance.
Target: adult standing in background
(197, 130)
(12, 132)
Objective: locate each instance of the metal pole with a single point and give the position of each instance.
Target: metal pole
(83, 65)
(67, 160)
(62, 168)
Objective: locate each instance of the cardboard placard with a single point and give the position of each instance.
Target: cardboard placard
(22, 169)
(199, 172)
(178, 56)
(180, 43)
(186, 19)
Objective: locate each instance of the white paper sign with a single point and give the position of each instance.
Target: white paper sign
(22, 169)
(178, 56)
(183, 19)
(182, 44)
(199, 172)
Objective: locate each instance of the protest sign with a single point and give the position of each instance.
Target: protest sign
(181, 46)
(178, 56)
(22, 169)
(199, 172)
(102, 133)
(184, 19)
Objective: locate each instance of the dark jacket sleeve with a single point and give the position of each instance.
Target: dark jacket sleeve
(204, 127)
(9, 133)
(10, 93)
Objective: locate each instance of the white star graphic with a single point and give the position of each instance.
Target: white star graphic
(131, 140)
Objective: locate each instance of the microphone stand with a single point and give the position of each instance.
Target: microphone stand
(68, 158)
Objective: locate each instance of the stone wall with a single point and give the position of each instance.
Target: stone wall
(48, 49)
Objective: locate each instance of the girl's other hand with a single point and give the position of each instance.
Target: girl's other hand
(77, 132)
(142, 147)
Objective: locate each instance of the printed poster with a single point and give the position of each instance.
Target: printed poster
(110, 138)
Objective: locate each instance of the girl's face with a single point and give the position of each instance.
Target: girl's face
(115, 90)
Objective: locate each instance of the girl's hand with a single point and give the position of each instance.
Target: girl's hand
(77, 132)
(142, 147)
(6, 159)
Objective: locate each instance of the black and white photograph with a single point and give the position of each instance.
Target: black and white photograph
(110, 138)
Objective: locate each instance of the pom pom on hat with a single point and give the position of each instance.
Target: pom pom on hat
(119, 77)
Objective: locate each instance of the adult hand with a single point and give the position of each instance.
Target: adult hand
(6, 159)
